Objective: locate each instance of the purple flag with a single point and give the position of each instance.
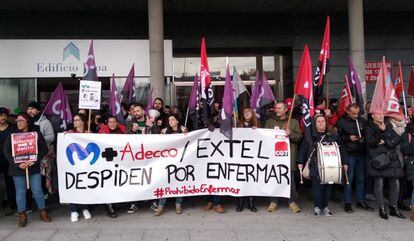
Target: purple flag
(355, 86)
(226, 121)
(261, 95)
(114, 103)
(193, 104)
(90, 66)
(150, 102)
(128, 91)
(58, 109)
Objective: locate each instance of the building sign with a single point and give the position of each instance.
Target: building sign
(372, 69)
(60, 58)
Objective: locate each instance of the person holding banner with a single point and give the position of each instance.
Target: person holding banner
(162, 118)
(280, 121)
(79, 126)
(308, 153)
(350, 129)
(247, 120)
(173, 127)
(384, 163)
(27, 173)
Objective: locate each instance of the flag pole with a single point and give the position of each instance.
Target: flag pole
(290, 113)
(89, 120)
(407, 120)
(327, 90)
(186, 116)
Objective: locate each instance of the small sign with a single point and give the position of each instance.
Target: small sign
(24, 147)
(90, 95)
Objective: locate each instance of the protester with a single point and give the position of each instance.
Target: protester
(173, 127)
(383, 162)
(5, 130)
(79, 126)
(308, 152)
(247, 120)
(350, 129)
(25, 123)
(163, 118)
(407, 149)
(280, 121)
(137, 123)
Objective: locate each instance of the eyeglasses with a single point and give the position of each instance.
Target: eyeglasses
(77, 120)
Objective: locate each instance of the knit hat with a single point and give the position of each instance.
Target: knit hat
(34, 105)
(4, 110)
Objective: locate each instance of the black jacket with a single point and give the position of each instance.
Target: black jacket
(407, 149)
(14, 169)
(347, 127)
(373, 136)
(307, 149)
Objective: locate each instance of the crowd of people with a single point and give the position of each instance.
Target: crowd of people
(372, 149)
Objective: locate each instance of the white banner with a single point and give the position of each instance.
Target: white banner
(99, 168)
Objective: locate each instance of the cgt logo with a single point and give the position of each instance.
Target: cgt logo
(281, 148)
(83, 153)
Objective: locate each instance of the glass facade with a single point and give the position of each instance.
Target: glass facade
(16, 94)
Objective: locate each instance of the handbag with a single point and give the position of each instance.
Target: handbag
(306, 169)
(381, 161)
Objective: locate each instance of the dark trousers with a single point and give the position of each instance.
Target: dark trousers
(321, 193)
(10, 190)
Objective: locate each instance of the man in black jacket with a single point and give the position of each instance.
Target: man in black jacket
(350, 129)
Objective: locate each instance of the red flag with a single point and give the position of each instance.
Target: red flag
(411, 83)
(399, 82)
(304, 92)
(346, 98)
(323, 64)
(207, 96)
(392, 106)
(377, 103)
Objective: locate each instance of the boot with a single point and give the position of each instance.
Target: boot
(44, 216)
(383, 213)
(412, 213)
(110, 212)
(240, 204)
(402, 206)
(251, 205)
(22, 220)
(395, 212)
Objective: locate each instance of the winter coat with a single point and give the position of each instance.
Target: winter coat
(308, 151)
(346, 127)
(373, 136)
(407, 149)
(104, 129)
(295, 135)
(14, 169)
(46, 129)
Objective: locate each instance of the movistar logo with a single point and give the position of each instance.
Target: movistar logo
(83, 153)
(69, 50)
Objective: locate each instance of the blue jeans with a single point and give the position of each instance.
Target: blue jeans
(321, 193)
(216, 200)
(162, 201)
(73, 207)
(355, 171)
(35, 187)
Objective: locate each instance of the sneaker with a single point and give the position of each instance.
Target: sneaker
(86, 214)
(74, 217)
(364, 205)
(316, 212)
(154, 205)
(160, 210)
(272, 207)
(178, 209)
(294, 207)
(208, 206)
(219, 209)
(132, 209)
(327, 212)
(29, 211)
